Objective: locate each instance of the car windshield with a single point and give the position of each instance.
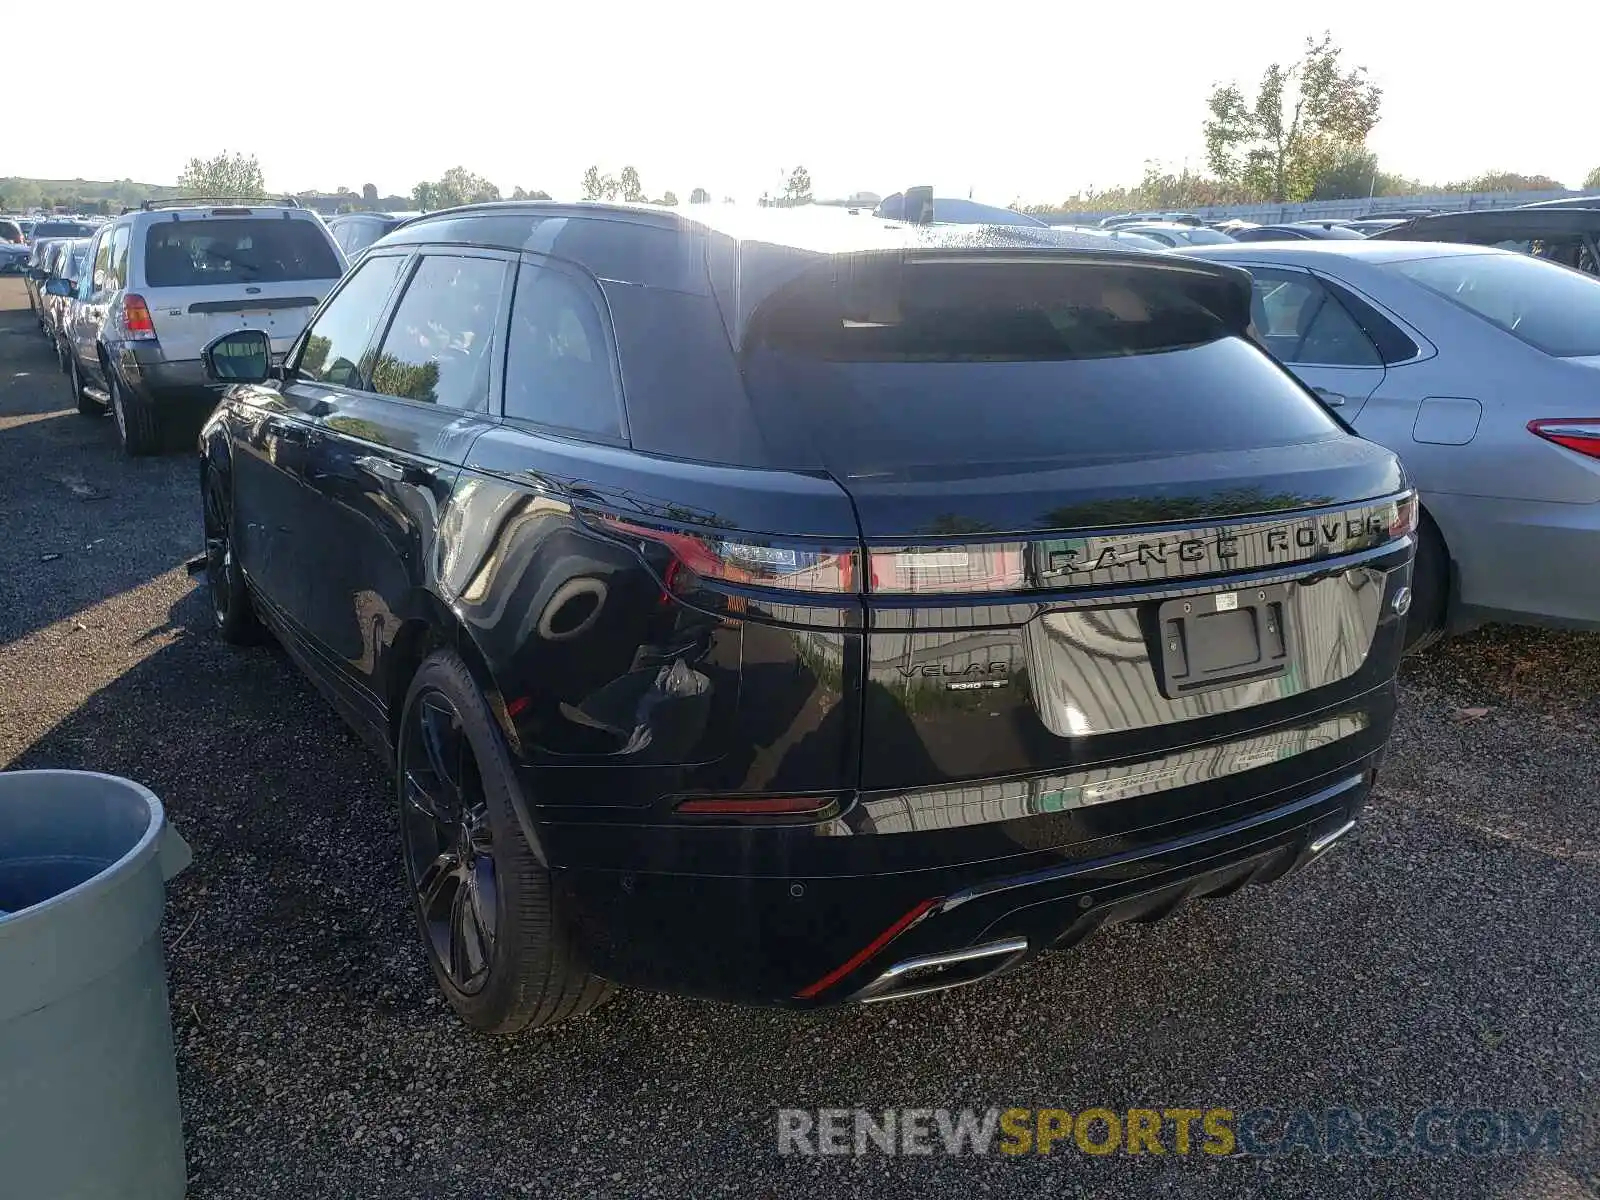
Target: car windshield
(1551, 308)
(222, 250)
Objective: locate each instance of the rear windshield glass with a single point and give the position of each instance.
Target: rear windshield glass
(947, 363)
(1552, 308)
(237, 250)
(62, 229)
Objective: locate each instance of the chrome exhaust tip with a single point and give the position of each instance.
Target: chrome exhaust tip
(1332, 836)
(941, 972)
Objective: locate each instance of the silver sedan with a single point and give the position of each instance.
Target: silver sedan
(1481, 369)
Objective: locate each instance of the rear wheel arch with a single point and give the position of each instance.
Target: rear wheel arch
(1434, 585)
(430, 628)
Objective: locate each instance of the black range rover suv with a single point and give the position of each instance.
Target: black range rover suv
(796, 607)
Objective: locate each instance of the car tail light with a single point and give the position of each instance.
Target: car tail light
(931, 570)
(1575, 433)
(1407, 513)
(743, 562)
(137, 323)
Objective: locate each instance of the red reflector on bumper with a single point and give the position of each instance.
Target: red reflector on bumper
(753, 806)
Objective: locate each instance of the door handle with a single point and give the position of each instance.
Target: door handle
(387, 468)
(1331, 399)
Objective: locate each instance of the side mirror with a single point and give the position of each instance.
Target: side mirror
(243, 356)
(57, 286)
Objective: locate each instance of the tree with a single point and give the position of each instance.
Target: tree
(1303, 119)
(1592, 179)
(595, 185)
(632, 188)
(701, 196)
(223, 175)
(520, 193)
(1353, 175)
(456, 186)
(1504, 181)
(369, 193)
(797, 188)
(670, 199)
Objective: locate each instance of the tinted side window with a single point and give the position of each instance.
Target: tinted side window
(361, 234)
(558, 361)
(440, 344)
(342, 332)
(1300, 322)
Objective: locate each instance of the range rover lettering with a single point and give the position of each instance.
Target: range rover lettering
(799, 607)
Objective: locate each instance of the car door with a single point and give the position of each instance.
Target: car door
(389, 453)
(89, 310)
(1306, 325)
(276, 428)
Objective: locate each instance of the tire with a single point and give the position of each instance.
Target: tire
(233, 614)
(1430, 589)
(138, 423)
(86, 406)
(471, 876)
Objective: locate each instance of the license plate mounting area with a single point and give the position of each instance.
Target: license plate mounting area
(1222, 638)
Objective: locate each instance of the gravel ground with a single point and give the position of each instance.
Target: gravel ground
(1446, 954)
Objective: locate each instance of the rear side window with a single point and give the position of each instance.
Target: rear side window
(942, 363)
(1300, 321)
(339, 337)
(1551, 308)
(356, 236)
(117, 265)
(558, 365)
(439, 348)
(224, 250)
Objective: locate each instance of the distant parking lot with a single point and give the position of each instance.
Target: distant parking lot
(1446, 955)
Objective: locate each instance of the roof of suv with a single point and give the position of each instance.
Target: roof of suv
(1366, 249)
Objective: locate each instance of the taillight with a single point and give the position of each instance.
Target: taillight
(1407, 514)
(928, 570)
(1575, 433)
(740, 561)
(137, 323)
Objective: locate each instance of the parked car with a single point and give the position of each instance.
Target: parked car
(14, 252)
(1171, 233)
(1481, 369)
(958, 210)
(1179, 218)
(35, 272)
(68, 265)
(53, 228)
(1590, 201)
(739, 624)
(1368, 226)
(1297, 232)
(1117, 236)
(1564, 235)
(168, 278)
(354, 232)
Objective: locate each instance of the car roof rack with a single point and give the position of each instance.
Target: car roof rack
(209, 201)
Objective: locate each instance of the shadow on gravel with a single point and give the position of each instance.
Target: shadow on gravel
(317, 1059)
(79, 522)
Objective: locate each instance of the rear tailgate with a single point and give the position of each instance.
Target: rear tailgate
(1099, 523)
(206, 274)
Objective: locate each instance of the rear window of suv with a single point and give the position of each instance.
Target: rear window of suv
(221, 250)
(941, 363)
(62, 229)
(1552, 308)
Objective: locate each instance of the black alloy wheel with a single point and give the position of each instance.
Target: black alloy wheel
(496, 933)
(449, 842)
(232, 613)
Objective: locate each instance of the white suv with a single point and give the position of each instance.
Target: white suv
(165, 280)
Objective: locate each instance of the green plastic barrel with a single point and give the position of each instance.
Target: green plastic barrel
(88, 1085)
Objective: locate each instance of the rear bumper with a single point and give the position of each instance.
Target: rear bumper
(153, 378)
(1521, 561)
(806, 939)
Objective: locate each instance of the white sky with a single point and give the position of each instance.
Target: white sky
(1014, 100)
